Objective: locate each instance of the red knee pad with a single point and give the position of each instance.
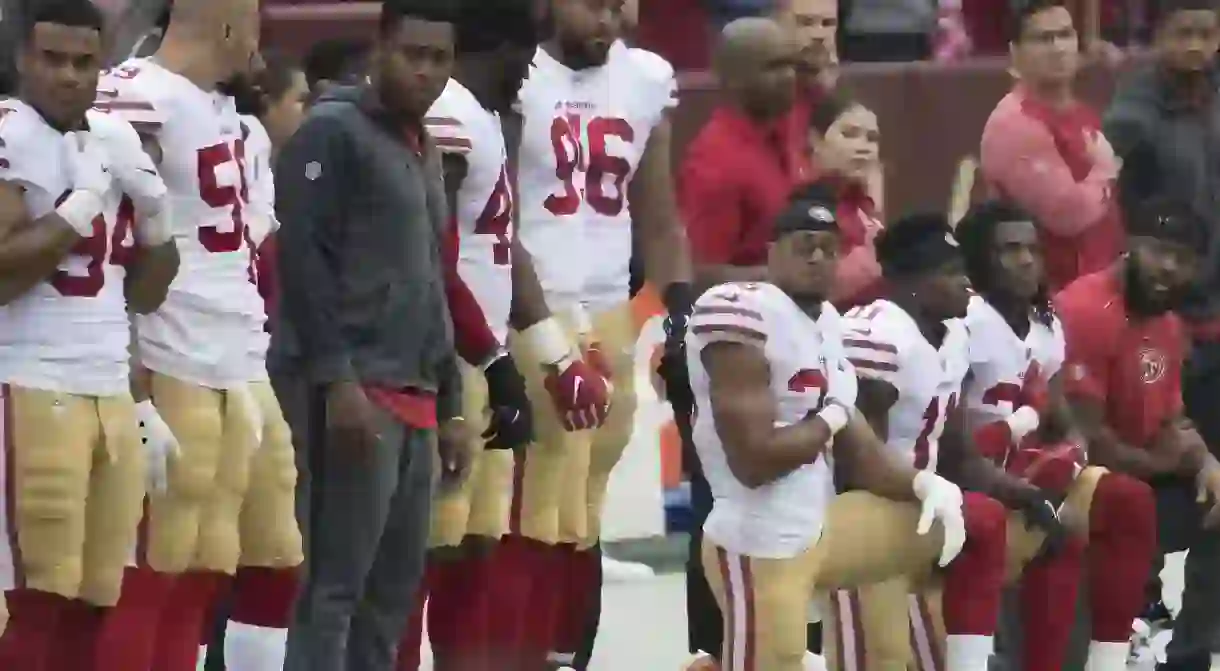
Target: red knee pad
(263, 597)
(975, 579)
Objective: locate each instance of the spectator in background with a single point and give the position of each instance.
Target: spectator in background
(733, 181)
(1162, 123)
(814, 25)
(1044, 150)
(335, 61)
(846, 145)
(888, 30)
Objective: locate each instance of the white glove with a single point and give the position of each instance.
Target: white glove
(1022, 422)
(243, 395)
(137, 176)
(942, 500)
(160, 445)
(86, 161)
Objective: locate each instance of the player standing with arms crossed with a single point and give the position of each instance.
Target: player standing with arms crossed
(83, 237)
(594, 162)
(196, 346)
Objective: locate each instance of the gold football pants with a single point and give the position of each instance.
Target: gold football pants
(270, 536)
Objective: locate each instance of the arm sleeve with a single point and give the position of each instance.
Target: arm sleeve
(710, 202)
(472, 335)
(1019, 155)
(728, 313)
(1086, 353)
(117, 96)
(874, 355)
(14, 159)
(313, 176)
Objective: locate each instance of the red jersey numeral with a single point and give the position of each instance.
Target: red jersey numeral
(223, 196)
(570, 157)
(94, 249)
(1004, 392)
(496, 218)
(933, 423)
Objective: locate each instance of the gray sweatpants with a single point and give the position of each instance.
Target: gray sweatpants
(364, 520)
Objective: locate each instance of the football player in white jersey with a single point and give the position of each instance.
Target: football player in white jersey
(594, 163)
(912, 354)
(1016, 353)
(494, 45)
(196, 346)
(776, 398)
(83, 236)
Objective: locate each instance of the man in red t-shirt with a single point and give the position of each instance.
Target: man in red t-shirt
(1125, 349)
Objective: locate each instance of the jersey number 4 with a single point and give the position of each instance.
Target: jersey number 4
(94, 249)
(570, 157)
(496, 218)
(933, 426)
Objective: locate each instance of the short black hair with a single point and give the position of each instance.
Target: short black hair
(394, 11)
(828, 109)
(1169, 219)
(337, 59)
(914, 244)
(485, 25)
(72, 13)
(976, 234)
(1024, 10)
(1167, 8)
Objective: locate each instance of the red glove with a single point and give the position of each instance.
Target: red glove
(996, 440)
(595, 357)
(581, 395)
(1049, 467)
(1034, 392)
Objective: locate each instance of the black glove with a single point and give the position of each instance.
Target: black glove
(678, 300)
(511, 426)
(1042, 513)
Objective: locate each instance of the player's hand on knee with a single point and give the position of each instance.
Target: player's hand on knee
(160, 445)
(580, 394)
(1039, 512)
(941, 501)
(511, 425)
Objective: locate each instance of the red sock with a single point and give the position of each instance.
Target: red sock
(581, 581)
(129, 630)
(445, 608)
(1048, 602)
(975, 579)
(479, 600)
(1122, 541)
(180, 630)
(509, 582)
(76, 637)
(413, 637)
(264, 596)
(542, 577)
(33, 620)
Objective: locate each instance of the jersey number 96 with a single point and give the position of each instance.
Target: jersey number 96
(570, 156)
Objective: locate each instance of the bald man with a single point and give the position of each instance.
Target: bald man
(192, 368)
(733, 181)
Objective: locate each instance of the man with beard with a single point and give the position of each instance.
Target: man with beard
(1124, 382)
(1160, 124)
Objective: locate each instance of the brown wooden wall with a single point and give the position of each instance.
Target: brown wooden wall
(931, 115)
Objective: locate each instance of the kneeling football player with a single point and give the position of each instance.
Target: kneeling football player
(776, 404)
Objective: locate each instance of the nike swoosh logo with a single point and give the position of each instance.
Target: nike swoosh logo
(148, 172)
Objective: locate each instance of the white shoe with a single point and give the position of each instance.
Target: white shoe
(700, 661)
(814, 662)
(614, 570)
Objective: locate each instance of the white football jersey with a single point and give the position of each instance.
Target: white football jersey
(260, 224)
(70, 333)
(584, 134)
(884, 343)
(201, 333)
(999, 359)
(782, 518)
(463, 127)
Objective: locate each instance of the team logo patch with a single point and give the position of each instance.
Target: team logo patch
(822, 214)
(1152, 365)
(313, 170)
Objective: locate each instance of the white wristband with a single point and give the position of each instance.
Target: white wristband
(79, 209)
(548, 341)
(154, 230)
(1022, 422)
(835, 416)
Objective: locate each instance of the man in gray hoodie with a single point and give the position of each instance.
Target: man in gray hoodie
(363, 354)
(1164, 125)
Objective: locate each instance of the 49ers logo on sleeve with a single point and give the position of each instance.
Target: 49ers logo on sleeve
(1152, 365)
(567, 139)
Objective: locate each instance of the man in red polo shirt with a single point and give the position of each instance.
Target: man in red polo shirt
(1124, 357)
(1044, 149)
